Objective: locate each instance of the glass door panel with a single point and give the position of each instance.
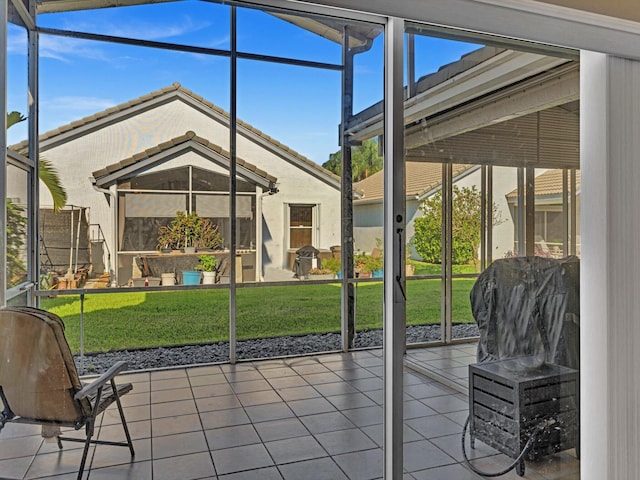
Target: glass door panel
(286, 302)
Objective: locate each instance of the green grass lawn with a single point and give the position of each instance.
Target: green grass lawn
(114, 321)
(423, 268)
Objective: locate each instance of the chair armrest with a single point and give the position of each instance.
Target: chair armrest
(102, 380)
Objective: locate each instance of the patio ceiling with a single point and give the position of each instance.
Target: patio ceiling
(493, 106)
(546, 139)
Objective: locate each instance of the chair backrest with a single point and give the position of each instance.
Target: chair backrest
(37, 373)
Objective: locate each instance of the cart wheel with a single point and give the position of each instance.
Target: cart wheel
(520, 468)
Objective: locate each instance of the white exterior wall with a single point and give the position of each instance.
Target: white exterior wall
(504, 181)
(91, 151)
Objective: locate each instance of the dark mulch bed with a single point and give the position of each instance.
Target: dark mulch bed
(161, 357)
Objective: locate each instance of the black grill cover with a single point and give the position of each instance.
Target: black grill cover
(529, 307)
(304, 260)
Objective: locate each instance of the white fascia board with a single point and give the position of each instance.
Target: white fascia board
(498, 72)
(519, 19)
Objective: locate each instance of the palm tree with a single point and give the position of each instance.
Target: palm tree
(365, 161)
(46, 172)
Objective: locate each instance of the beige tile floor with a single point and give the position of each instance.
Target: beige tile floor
(305, 418)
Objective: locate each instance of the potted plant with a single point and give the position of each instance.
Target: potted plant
(207, 266)
(189, 231)
(374, 264)
(333, 265)
(207, 236)
(368, 265)
(360, 265)
(320, 274)
(191, 277)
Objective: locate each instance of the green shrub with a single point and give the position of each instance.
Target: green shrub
(207, 263)
(332, 264)
(466, 228)
(189, 230)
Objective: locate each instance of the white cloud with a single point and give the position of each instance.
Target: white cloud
(143, 29)
(77, 103)
(224, 41)
(16, 41)
(64, 48)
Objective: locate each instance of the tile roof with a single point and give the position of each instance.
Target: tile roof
(180, 140)
(548, 183)
(421, 178)
(177, 88)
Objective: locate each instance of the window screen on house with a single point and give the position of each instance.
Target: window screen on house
(142, 212)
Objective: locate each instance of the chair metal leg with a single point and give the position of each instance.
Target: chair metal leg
(124, 421)
(6, 414)
(86, 447)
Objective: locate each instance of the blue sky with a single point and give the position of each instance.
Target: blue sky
(299, 106)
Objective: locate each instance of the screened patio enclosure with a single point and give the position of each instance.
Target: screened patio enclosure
(501, 116)
(610, 203)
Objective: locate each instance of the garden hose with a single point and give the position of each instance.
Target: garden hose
(541, 427)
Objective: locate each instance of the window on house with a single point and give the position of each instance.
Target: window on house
(300, 225)
(549, 229)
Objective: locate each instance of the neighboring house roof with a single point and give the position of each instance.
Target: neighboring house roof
(548, 184)
(117, 113)
(422, 178)
(444, 73)
(173, 148)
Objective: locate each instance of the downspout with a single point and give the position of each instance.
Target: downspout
(114, 229)
(258, 246)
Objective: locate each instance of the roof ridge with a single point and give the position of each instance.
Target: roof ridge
(188, 136)
(174, 87)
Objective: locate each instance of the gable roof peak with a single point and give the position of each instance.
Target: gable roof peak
(64, 133)
(152, 156)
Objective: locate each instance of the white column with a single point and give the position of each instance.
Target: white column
(394, 245)
(610, 267)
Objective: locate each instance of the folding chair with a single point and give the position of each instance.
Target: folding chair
(39, 383)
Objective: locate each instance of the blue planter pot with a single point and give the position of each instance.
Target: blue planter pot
(190, 277)
(339, 274)
(377, 273)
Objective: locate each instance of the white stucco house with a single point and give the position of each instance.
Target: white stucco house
(424, 179)
(133, 166)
